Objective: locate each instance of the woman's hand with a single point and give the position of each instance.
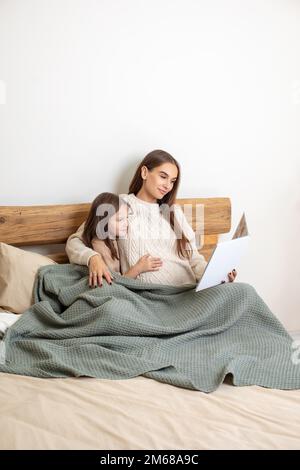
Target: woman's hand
(97, 270)
(231, 276)
(148, 263)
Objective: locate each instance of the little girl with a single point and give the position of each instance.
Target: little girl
(106, 222)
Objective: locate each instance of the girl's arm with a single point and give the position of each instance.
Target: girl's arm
(77, 251)
(132, 272)
(145, 264)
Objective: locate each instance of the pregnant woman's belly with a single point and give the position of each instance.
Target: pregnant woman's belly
(175, 271)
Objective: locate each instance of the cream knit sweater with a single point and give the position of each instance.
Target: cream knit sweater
(148, 232)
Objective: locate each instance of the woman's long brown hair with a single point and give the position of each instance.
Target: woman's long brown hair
(151, 161)
(93, 219)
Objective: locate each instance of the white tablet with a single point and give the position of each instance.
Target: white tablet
(225, 258)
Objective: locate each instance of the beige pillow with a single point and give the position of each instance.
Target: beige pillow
(18, 269)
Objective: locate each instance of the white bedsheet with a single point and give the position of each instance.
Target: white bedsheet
(6, 320)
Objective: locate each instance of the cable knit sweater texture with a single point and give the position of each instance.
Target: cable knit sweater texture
(148, 232)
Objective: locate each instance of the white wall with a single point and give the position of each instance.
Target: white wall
(89, 87)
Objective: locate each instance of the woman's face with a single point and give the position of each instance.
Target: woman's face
(118, 223)
(159, 181)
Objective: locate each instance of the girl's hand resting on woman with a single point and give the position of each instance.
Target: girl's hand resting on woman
(145, 263)
(148, 263)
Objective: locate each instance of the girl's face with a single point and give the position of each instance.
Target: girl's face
(118, 223)
(159, 181)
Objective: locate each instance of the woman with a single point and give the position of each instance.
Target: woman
(152, 228)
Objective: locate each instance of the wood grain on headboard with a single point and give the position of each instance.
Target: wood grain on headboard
(52, 224)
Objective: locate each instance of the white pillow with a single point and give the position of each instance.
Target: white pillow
(6, 320)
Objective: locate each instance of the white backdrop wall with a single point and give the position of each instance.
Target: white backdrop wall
(88, 87)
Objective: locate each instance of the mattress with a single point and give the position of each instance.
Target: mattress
(141, 413)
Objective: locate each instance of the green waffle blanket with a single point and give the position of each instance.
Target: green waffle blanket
(171, 334)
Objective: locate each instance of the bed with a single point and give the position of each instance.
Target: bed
(138, 413)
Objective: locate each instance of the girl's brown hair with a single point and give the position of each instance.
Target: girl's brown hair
(151, 161)
(93, 219)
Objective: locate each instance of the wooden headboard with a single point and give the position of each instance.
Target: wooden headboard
(47, 225)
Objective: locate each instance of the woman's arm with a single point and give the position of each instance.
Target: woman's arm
(79, 253)
(197, 261)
